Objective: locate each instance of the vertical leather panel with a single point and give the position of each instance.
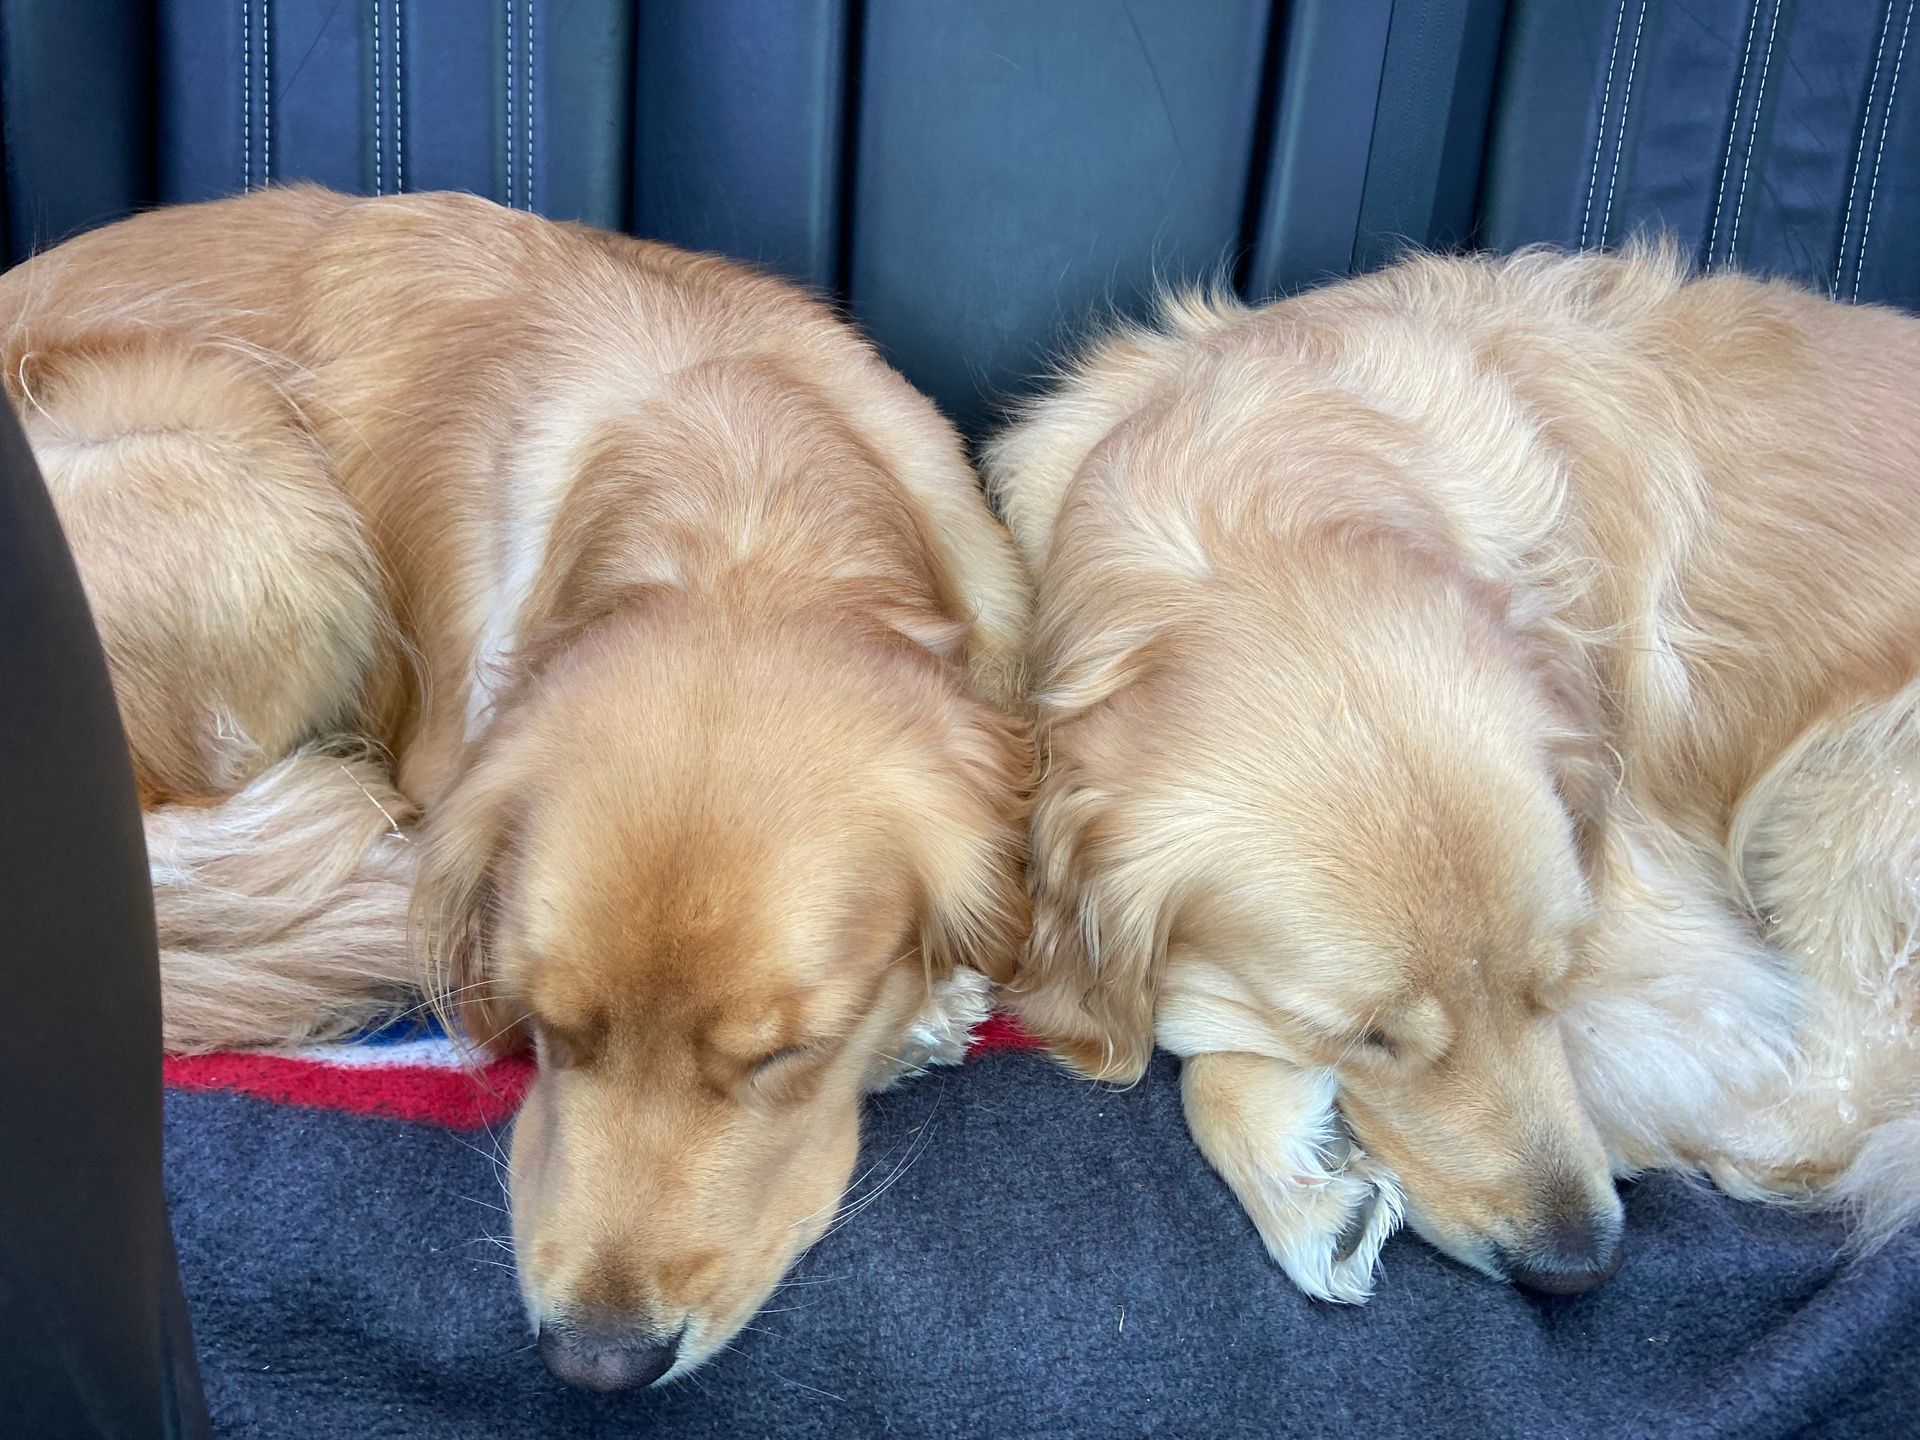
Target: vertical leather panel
(583, 86)
(378, 96)
(1429, 128)
(1770, 135)
(1332, 53)
(76, 97)
(1629, 120)
(1879, 255)
(1793, 163)
(1019, 167)
(453, 96)
(1544, 134)
(1675, 82)
(253, 91)
(204, 148)
(313, 83)
(738, 116)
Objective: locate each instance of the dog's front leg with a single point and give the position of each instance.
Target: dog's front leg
(1270, 1128)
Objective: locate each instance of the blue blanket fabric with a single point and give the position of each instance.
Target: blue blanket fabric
(1049, 1259)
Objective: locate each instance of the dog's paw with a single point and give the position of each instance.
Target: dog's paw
(939, 1033)
(1321, 1204)
(1325, 1226)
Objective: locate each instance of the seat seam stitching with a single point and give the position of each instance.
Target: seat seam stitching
(1753, 131)
(1860, 152)
(246, 94)
(1733, 130)
(399, 114)
(1620, 135)
(510, 136)
(1600, 135)
(529, 101)
(379, 129)
(1880, 153)
(266, 92)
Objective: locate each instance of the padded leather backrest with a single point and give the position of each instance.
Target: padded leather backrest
(1781, 136)
(528, 101)
(981, 180)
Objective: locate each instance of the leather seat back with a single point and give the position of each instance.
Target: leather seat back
(980, 182)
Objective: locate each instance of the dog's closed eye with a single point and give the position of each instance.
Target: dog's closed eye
(766, 1064)
(1378, 1040)
(778, 1072)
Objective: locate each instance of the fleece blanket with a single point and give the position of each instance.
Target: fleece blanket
(1043, 1257)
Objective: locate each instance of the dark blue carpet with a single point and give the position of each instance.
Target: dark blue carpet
(1055, 1261)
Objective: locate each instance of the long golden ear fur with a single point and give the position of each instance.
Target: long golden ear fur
(1584, 770)
(970, 836)
(1089, 973)
(1087, 981)
(455, 898)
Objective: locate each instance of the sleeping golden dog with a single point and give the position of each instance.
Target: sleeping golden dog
(676, 617)
(1480, 706)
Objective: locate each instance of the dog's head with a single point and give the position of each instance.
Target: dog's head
(725, 882)
(1336, 817)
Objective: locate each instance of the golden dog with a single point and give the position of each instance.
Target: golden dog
(676, 615)
(1480, 706)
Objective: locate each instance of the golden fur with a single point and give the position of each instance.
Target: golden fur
(1479, 708)
(615, 609)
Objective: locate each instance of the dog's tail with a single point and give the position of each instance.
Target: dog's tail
(282, 909)
(1880, 1189)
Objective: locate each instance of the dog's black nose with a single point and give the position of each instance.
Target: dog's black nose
(1577, 1255)
(606, 1360)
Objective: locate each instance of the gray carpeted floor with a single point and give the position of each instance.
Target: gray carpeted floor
(1055, 1261)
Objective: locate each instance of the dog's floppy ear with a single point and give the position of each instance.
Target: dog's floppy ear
(455, 903)
(968, 829)
(1088, 979)
(1585, 770)
(1089, 974)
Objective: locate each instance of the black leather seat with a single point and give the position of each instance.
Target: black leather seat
(1772, 136)
(94, 1337)
(976, 180)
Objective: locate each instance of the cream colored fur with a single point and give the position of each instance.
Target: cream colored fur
(1479, 699)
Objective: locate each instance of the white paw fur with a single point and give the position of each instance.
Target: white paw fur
(1325, 1226)
(1322, 1206)
(938, 1034)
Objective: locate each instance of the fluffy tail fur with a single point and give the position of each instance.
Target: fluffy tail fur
(1881, 1188)
(283, 909)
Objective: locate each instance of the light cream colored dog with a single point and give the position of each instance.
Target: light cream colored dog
(1480, 721)
(676, 613)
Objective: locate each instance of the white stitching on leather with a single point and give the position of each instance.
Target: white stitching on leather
(1860, 154)
(1880, 152)
(1753, 131)
(399, 114)
(246, 94)
(1620, 136)
(1600, 134)
(529, 102)
(1733, 127)
(266, 92)
(509, 7)
(379, 128)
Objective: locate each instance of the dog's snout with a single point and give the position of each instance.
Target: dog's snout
(597, 1359)
(1578, 1253)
